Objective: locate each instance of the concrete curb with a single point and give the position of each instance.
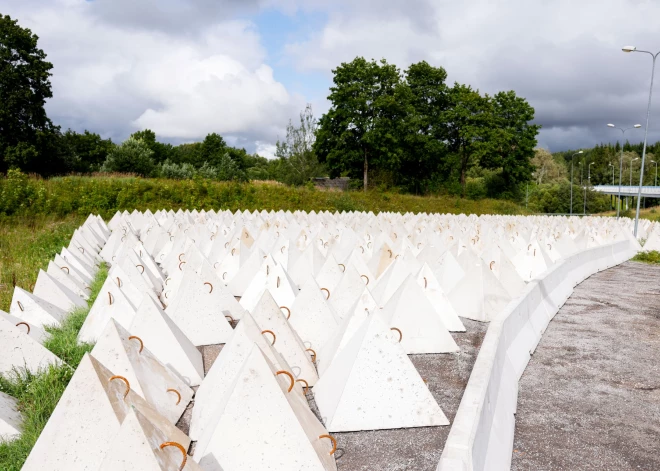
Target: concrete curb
(481, 437)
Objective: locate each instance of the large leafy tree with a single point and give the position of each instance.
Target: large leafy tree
(24, 89)
(84, 152)
(132, 156)
(511, 139)
(297, 160)
(359, 131)
(161, 152)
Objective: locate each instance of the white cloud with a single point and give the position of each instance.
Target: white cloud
(266, 149)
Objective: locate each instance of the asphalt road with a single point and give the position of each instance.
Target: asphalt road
(590, 396)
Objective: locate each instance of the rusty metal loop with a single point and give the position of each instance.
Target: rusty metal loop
(233, 251)
(110, 298)
(491, 264)
(118, 282)
(181, 263)
(283, 372)
(334, 442)
(223, 275)
(26, 325)
(278, 282)
(271, 333)
(365, 276)
(210, 285)
(282, 249)
(65, 268)
(20, 306)
(390, 251)
(313, 353)
(362, 249)
(306, 389)
(140, 266)
(400, 333)
(327, 291)
(181, 449)
(82, 249)
(288, 312)
(177, 393)
(343, 267)
(139, 340)
(128, 385)
(231, 319)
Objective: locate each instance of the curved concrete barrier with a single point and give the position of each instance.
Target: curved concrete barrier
(481, 437)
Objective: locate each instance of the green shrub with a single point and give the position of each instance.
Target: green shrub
(132, 156)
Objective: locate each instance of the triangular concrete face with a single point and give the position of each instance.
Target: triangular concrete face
(420, 328)
(227, 365)
(167, 342)
(56, 293)
(270, 277)
(81, 265)
(18, 350)
(530, 262)
(269, 316)
(148, 377)
(34, 310)
(199, 310)
(241, 280)
(257, 428)
(390, 281)
(65, 277)
(138, 446)
(76, 270)
(448, 271)
(372, 385)
(108, 305)
(479, 295)
(349, 289)
(35, 333)
(439, 300)
(86, 419)
(330, 274)
(121, 281)
(11, 420)
(312, 317)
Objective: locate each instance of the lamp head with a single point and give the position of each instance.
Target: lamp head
(628, 48)
(637, 126)
(580, 152)
(610, 125)
(636, 158)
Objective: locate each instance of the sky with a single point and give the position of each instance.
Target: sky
(244, 68)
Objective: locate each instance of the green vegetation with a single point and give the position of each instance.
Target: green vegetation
(652, 257)
(38, 393)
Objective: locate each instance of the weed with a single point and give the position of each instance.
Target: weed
(652, 256)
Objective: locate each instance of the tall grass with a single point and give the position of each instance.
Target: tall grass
(652, 257)
(38, 393)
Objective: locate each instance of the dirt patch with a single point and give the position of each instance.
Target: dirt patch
(588, 399)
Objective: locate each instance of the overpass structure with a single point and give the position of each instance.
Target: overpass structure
(647, 191)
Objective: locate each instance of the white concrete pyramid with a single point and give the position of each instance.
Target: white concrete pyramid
(36, 333)
(438, 299)
(110, 304)
(128, 356)
(66, 278)
(311, 316)
(330, 274)
(18, 350)
(347, 291)
(70, 441)
(11, 420)
(56, 293)
(372, 385)
(257, 428)
(272, 277)
(269, 316)
(167, 342)
(34, 310)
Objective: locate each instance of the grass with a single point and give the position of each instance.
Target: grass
(27, 243)
(649, 213)
(38, 393)
(652, 257)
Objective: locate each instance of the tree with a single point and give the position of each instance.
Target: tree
(512, 139)
(161, 152)
(86, 152)
(547, 169)
(132, 156)
(24, 89)
(359, 129)
(298, 161)
(467, 118)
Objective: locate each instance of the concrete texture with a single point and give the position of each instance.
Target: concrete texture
(590, 396)
(416, 449)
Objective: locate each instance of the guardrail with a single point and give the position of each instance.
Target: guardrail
(647, 191)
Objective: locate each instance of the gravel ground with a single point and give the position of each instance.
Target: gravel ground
(590, 396)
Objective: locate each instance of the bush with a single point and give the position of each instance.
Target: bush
(132, 156)
(475, 188)
(169, 169)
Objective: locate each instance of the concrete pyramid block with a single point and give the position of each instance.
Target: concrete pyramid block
(448, 271)
(257, 428)
(420, 328)
(35, 333)
(117, 279)
(390, 281)
(75, 270)
(110, 304)
(269, 316)
(137, 445)
(34, 310)
(331, 273)
(373, 385)
(227, 365)
(128, 356)
(56, 293)
(18, 350)
(347, 291)
(87, 418)
(74, 260)
(242, 278)
(199, 310)
(435, 294)
(271, 277)
(10, 418)
(65, 276)
(311, 316)
(167, 342)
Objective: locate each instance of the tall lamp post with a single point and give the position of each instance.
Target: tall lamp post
(646, 132)
(584, 210)
(611, 165)
(623, 132)
(631, 162)
(578, 152)
(656, 171)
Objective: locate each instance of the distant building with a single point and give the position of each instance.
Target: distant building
(327, 183)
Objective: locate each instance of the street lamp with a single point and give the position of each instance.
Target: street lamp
(623, 132)
(631, 162)
(584, 200)
(648, 112)
(589, 172)
(578, 152)
(612, 165)
(656, 171)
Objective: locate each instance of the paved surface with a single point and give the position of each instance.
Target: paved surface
(590, 397)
